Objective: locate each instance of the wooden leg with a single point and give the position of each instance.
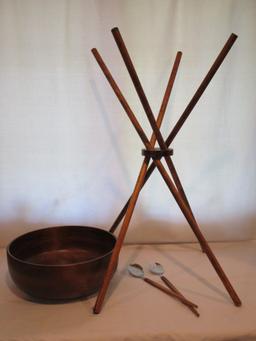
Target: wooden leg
(180, 189)
(198, 233)
(120, 239)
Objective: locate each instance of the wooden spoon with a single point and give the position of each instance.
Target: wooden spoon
(137, 271)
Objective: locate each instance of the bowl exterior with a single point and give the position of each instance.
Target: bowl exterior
(66, 282)
(58, 282)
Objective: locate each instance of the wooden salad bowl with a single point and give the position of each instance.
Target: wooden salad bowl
(60, 263)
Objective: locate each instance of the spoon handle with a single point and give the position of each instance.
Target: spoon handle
(174, 289)
(170, 292)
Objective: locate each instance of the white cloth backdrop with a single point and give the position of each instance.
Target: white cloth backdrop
(68, 153)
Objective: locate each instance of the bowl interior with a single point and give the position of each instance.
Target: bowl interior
(62, 245)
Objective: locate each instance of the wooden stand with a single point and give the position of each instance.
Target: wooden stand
(150, 153)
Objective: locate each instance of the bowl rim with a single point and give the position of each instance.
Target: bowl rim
(19, 260)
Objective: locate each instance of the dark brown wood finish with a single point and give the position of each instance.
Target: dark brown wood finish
(157, 153)
(177, 195)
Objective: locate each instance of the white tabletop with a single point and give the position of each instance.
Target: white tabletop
(134, 310)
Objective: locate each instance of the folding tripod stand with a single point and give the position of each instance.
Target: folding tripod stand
(156, 154)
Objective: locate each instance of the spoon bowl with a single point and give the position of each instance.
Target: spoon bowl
(157, 269)
(136, 270)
